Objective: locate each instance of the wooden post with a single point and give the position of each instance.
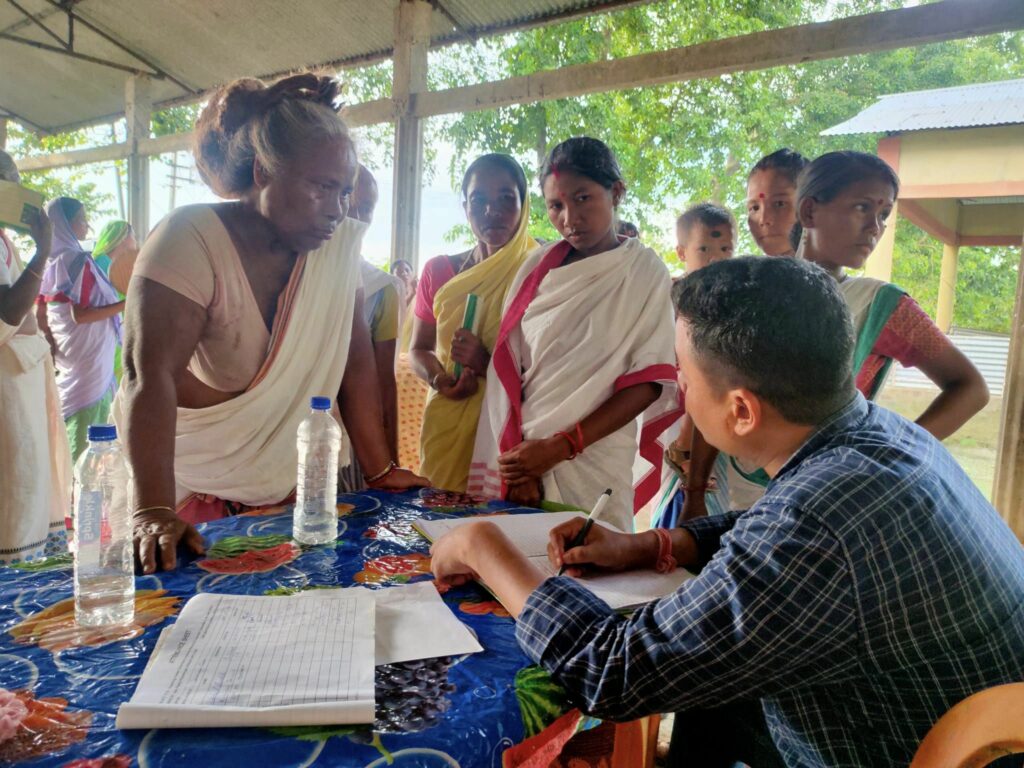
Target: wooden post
(412, 40)
(138, 105)
(947, 287)
(1008, 492)
(879, 264)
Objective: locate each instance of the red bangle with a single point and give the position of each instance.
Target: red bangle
(573, 453)
(665, 562)
(579, 436)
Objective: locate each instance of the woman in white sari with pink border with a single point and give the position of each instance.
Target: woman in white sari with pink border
(582, 378)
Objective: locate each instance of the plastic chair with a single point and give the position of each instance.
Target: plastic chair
(978, 730)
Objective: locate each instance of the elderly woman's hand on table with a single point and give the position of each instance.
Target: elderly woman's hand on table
(156, 533)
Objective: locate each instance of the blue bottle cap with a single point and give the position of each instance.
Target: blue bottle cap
(99, 433)
(320, 403)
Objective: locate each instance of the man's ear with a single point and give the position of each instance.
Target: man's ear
(746, 412)
(259, 174)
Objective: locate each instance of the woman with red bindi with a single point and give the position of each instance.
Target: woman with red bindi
(771, 200)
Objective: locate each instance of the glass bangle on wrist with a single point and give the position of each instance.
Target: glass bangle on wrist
(665, 562)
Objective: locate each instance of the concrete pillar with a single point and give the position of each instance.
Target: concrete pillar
(879, 264)
(412, 41)
(1008, 491)
(947, 287)
(138, 106)
(3, 132)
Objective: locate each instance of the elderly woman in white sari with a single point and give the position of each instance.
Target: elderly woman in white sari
(239, 312)
(35, 466)
(583, 374)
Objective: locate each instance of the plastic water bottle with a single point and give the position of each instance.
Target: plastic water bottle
(316, 497)
(104, 564)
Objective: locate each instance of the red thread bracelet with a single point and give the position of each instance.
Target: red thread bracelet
(573, 453)
(665, 562)
(579, 435)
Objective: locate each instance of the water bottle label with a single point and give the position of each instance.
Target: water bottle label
(89, 523)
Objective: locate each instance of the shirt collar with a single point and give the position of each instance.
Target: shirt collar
(845, 418)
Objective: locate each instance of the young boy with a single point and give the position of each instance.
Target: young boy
(705, 233)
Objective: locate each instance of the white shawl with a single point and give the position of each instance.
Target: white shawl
(570, 338)
(244, 449)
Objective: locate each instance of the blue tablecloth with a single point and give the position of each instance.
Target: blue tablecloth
(65, 683)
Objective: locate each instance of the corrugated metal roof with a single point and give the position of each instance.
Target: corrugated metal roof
(204, 43)
(966, 106)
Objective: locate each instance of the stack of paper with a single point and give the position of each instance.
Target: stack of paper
(622, 591)
(233, 660)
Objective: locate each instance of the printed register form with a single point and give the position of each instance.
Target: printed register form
(234, 660)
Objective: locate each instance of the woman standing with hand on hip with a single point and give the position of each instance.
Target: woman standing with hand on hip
(83, 315)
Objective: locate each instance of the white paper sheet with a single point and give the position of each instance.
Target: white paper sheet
(234, 660)
(413, 622)
(529, 532)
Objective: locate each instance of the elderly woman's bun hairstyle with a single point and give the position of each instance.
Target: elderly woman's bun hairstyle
(248, 120)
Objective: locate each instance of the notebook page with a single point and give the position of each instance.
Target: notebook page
(627, 589)
(529, 532)
(233, 660)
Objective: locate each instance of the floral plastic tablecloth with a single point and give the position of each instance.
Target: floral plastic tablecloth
(60, 685)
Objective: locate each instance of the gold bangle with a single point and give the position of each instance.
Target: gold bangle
(33, 272)
(391, 467)
(151, 509)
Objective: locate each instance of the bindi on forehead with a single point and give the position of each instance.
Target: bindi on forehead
(716, 233)
(761, 195)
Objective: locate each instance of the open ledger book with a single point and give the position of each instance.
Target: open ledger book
(237, 660)
(233, 660)
(529, 532)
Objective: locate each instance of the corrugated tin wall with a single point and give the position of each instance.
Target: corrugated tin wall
(986, 350)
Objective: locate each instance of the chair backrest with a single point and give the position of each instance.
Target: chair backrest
(981, 728)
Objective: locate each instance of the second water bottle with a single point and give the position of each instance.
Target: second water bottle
(319, 441)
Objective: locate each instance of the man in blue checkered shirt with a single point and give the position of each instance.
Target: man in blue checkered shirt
(869, 590)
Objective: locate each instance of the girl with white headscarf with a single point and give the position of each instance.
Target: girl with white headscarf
(83, 314)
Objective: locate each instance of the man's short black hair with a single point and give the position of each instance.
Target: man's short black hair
(778, 327)
(708, 214)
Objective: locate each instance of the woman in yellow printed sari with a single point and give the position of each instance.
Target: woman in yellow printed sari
(449, 356)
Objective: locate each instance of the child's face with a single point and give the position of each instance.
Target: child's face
(771, 211)
(703, 245)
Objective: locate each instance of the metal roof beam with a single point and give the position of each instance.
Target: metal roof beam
(439, 7)
(73, 17)
(77, 55)
(66, 44)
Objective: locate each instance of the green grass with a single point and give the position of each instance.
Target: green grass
(975, 445)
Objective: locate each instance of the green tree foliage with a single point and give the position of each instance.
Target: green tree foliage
(67, 182)
(692, 141)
